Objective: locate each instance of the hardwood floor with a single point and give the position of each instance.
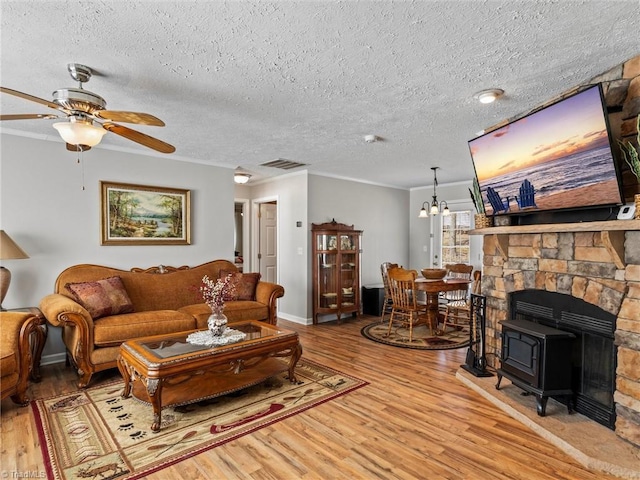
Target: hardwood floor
(414, 420)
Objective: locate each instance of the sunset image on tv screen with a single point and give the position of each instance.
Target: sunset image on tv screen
(557, 158)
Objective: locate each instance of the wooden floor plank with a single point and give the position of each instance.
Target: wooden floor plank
(414, 420)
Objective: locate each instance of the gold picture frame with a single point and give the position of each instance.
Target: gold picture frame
(144, 215)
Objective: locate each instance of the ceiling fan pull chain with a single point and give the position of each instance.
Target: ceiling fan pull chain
(81, 162)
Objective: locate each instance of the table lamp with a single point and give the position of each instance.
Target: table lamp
(9, 250)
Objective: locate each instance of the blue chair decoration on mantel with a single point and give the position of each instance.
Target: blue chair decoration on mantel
(498, 204)
(527, 195)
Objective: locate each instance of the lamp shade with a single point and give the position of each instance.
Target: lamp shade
(9, 250)
(80, 133)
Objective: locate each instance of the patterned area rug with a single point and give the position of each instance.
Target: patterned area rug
(95, 433)
(422, 339)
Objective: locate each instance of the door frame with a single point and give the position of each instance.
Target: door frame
(255, 231)
(246, 232)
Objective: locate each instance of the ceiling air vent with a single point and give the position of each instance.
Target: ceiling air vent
(283, 164)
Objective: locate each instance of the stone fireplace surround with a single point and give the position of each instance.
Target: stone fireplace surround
(598, 262)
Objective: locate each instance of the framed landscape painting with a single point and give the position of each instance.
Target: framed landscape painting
(144, 215)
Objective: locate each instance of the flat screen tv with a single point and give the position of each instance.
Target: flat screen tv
(555, 159)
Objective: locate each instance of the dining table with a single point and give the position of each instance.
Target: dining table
(432, 288)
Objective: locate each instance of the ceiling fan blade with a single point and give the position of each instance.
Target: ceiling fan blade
(129, 117)
(26, 96)
(28, 116)
(78, 148)
(140, 138)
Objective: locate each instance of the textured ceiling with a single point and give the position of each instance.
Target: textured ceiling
(242, 83)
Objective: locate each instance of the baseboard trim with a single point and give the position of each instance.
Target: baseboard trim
(53, 358)
(295, 319)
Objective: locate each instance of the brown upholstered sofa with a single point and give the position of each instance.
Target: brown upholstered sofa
(15, 353)
(162, 300)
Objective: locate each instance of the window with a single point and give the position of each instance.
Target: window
(455, 237)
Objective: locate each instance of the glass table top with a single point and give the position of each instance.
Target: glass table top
(175, 345)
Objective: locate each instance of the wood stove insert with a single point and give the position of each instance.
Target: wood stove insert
(537, 359)
(594, 351)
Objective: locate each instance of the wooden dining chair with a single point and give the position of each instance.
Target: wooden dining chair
(457, 270)
(458, 312)
(387, 302)
(406, 309)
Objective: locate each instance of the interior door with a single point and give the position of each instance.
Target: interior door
(268, 255)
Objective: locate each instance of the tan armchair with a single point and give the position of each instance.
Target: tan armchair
(15, 353)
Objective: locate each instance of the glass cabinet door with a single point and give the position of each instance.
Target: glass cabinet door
(327, 285)
(348, 269)
(347, 242)
(348, 281)
(327, 242)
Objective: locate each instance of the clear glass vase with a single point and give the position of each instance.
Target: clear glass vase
(217, 323)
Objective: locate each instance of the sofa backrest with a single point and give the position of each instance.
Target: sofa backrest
(149, 290)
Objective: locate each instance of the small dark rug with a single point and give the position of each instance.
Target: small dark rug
(422, 340)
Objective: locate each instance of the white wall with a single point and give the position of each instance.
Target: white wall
(291, 194)
(381, 212)
(44, 209)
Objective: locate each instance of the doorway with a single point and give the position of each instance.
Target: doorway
(241, 235)
(265, 241)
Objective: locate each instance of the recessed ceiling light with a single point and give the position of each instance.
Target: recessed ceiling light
(488, 96)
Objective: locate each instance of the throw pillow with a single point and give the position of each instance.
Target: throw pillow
(102, 297)
(245, 283)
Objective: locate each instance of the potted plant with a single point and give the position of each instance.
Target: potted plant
(630, 155)
(480, 219)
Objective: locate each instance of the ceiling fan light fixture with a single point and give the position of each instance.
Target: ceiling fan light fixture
(489, 96)
(241, 177)
(80, 132)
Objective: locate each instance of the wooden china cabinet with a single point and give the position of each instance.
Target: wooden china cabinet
(336, 269)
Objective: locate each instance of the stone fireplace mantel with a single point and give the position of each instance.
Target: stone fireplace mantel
(613, 234)
(598, 262)
(612, 225)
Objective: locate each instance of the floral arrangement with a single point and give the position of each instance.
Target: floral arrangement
(216, 292)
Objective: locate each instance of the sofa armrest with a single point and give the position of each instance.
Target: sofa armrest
(15, 337)
(60, 311)
(267, 293)
(12, 323)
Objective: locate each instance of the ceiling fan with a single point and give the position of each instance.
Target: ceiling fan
(85, 109)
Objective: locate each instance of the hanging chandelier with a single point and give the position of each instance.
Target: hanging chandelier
(435, 206)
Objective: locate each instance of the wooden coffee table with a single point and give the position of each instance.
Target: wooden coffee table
(166, 370)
